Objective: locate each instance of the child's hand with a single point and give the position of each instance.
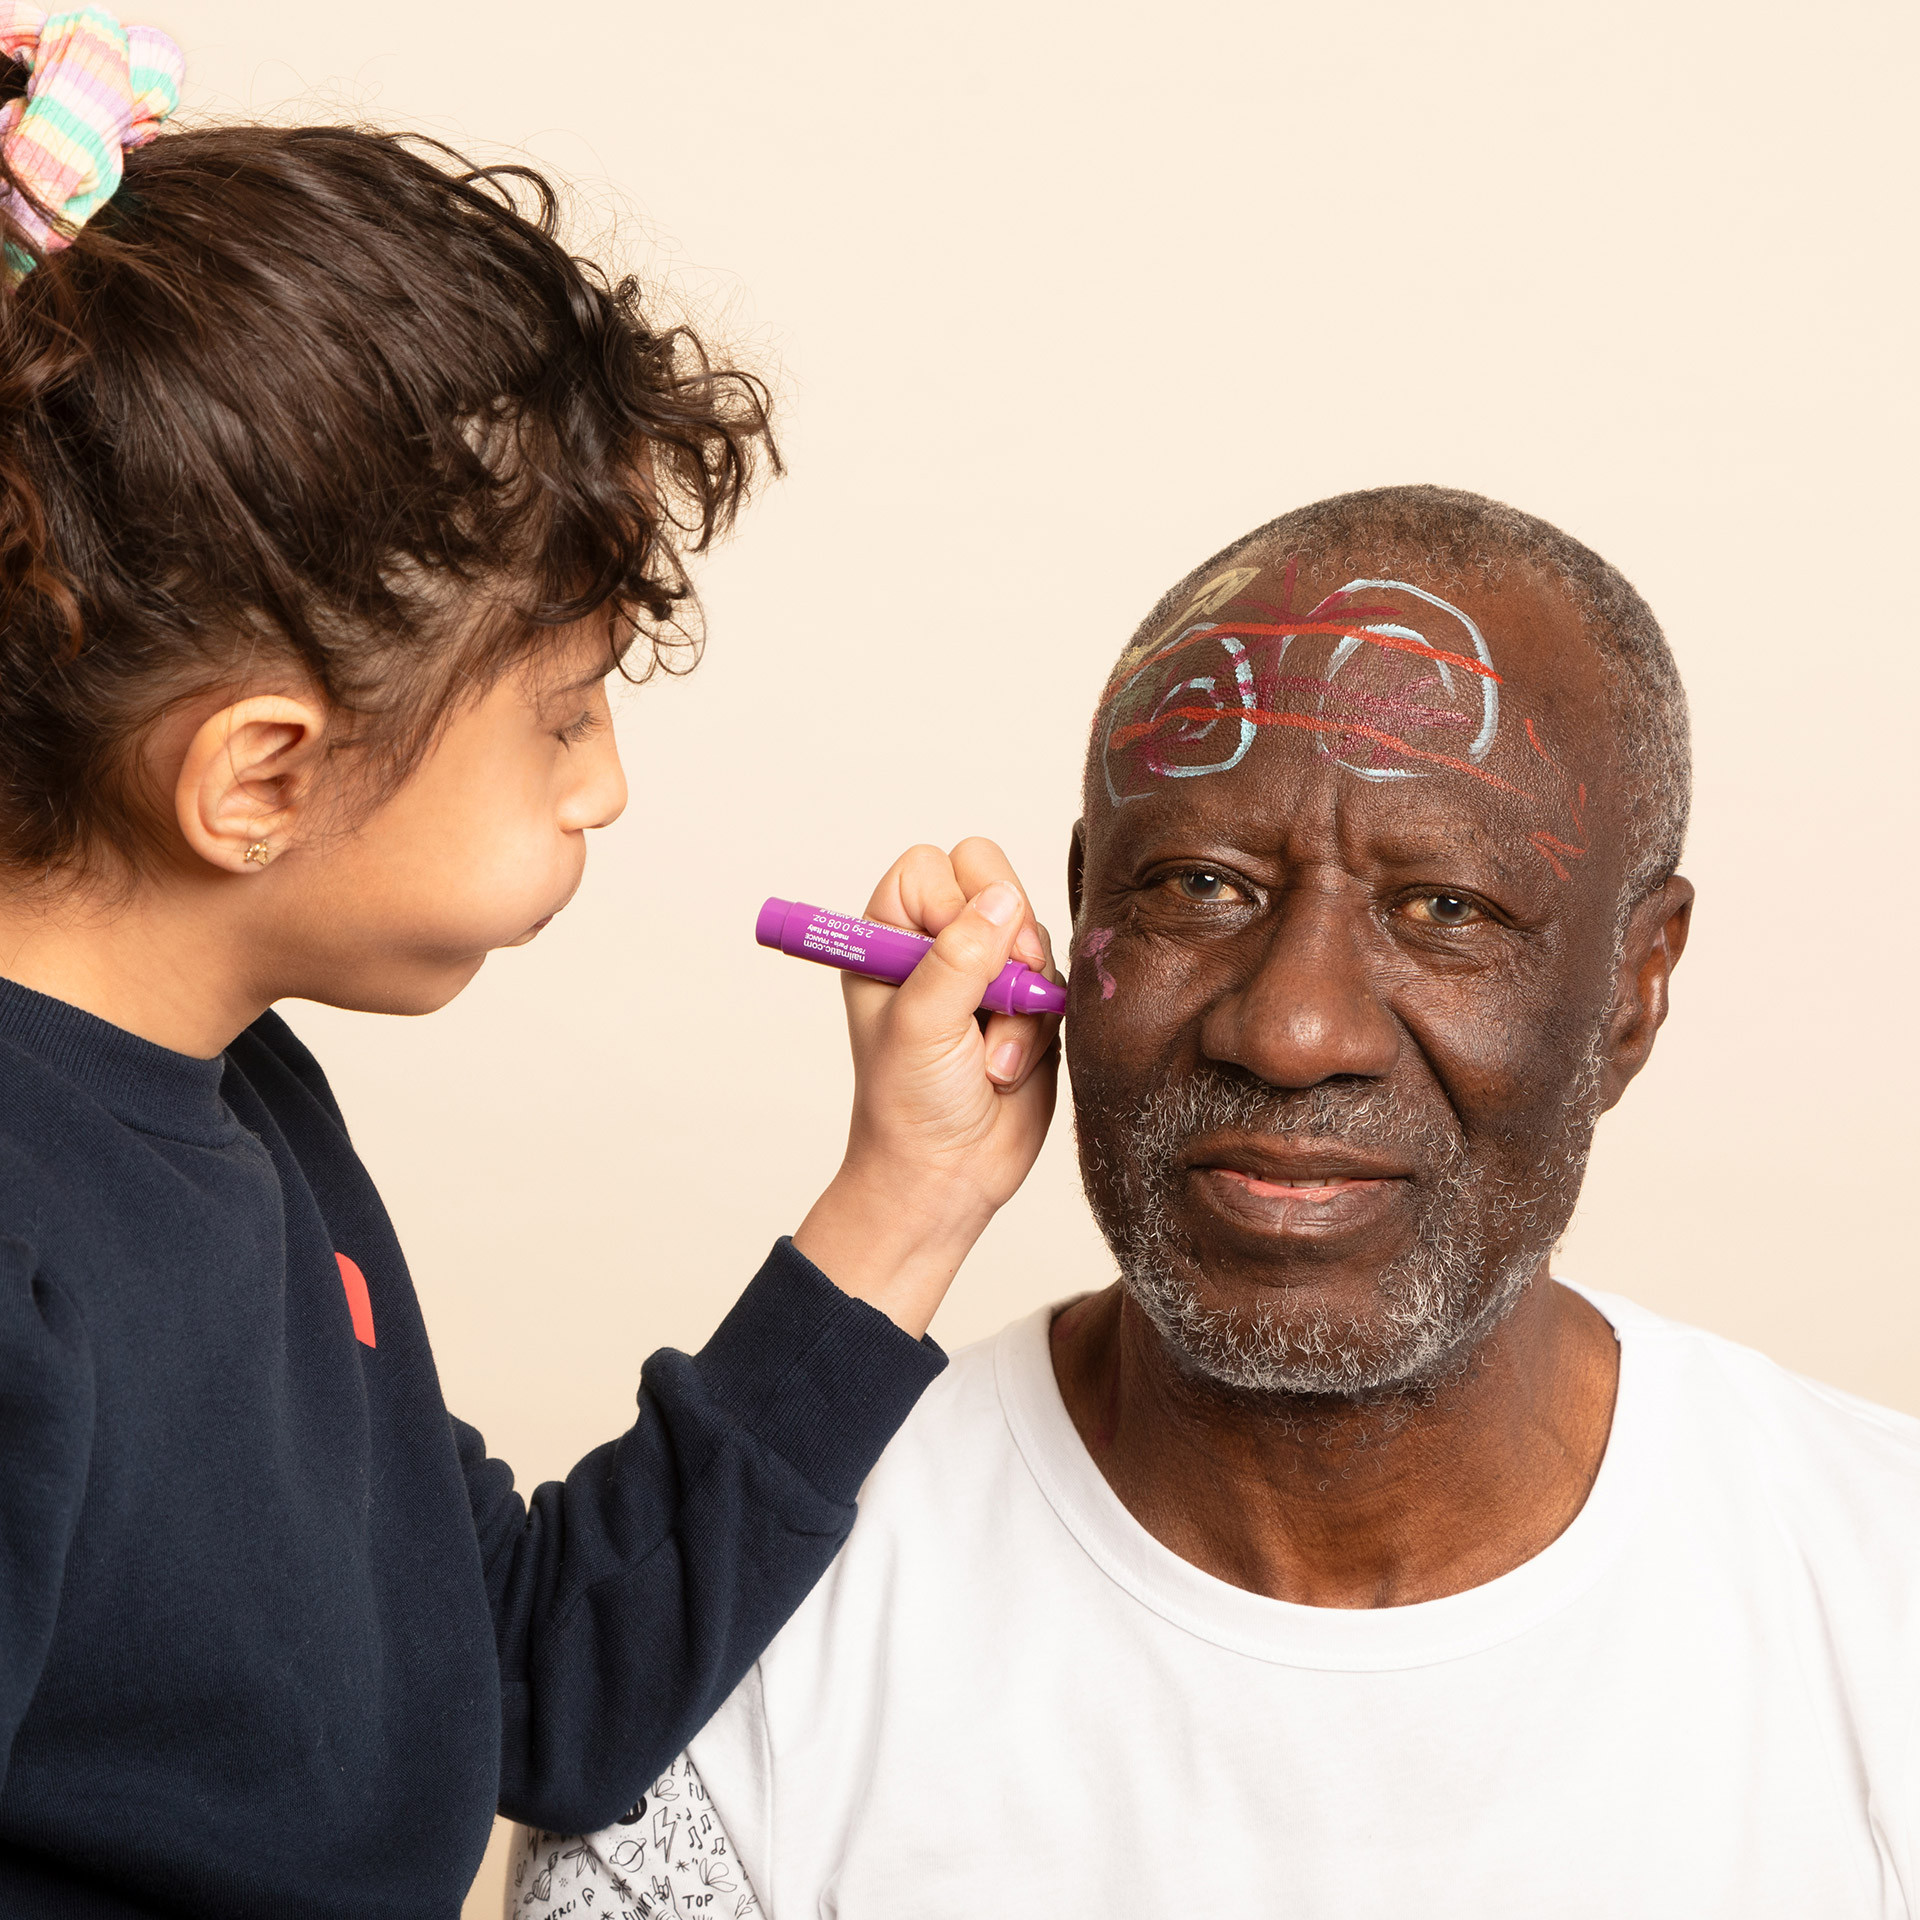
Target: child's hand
(947, 1118)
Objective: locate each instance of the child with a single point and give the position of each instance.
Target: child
(331, 490)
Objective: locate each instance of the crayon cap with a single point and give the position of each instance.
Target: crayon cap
(772, 922)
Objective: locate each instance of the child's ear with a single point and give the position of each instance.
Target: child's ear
(247, 778)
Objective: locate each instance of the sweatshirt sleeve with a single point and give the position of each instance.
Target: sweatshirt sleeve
(630, 1598)
(46, 1427)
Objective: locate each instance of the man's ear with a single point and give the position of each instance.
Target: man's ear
(247, 777)
(1076, 869)
(1655, 939)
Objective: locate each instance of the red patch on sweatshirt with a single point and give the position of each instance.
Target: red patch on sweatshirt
(359, 1304)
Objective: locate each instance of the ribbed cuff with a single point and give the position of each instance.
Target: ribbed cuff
(821, 1378)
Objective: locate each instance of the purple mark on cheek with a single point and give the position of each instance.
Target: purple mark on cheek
(1091, 948)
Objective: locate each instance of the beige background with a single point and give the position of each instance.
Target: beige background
(1059, 298)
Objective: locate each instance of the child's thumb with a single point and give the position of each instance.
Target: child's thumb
(943, 993)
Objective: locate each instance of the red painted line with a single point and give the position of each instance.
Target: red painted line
(1560, 872)
(1239, 631)
(1547, 847)
(1124, 737)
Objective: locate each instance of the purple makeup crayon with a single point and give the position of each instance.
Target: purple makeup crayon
(886, 953)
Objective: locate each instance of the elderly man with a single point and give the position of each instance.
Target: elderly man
(1338, 1561)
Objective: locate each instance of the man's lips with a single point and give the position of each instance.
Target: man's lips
(1291, 1189)
(1265, 1162)
(1280, 1186)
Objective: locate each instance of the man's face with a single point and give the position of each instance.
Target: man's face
(1345, 943)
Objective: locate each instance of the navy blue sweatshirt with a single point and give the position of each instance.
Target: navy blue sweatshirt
(276, 1636)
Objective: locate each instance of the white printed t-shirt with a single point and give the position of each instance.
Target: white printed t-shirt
(1007, 1699)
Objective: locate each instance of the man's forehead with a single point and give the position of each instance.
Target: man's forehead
(1435, 685)
(1379, 667)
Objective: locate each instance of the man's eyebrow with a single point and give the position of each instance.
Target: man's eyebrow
(1411, 847)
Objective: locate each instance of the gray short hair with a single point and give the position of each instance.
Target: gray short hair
(1461, 532)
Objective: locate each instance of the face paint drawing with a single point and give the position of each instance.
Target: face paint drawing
(1213, 594)
(1394, 682)
(1098, 940)
(1553, 850)
(1389, 702)
(1485, 681)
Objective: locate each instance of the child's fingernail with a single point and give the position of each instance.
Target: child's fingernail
(1000, 902)
(1028, 947)
(1005, 1064)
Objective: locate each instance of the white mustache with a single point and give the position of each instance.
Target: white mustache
(1377, 1117)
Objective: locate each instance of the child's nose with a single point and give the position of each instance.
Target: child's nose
(600, 798)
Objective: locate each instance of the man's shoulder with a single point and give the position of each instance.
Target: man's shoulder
(944, 1494)
(1809, 1407)
(954, 1429)
(1832, 1466)
(951, 1514)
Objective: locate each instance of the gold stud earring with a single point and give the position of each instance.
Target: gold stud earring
(258, 854)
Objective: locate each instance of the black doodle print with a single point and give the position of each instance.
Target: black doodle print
(667, 1858)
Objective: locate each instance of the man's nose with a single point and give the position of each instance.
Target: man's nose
(1309, 1011)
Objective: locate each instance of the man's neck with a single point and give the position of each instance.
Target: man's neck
(1358, 1506)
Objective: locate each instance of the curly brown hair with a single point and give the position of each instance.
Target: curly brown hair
(334, 404)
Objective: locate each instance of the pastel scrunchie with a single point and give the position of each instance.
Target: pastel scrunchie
(94, 89)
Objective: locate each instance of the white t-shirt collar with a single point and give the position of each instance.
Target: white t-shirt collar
(1354, 1640)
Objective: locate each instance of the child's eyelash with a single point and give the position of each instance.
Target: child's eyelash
(577, 730)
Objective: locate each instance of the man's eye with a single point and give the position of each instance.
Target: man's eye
(1205, 884)
(1445, 910)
